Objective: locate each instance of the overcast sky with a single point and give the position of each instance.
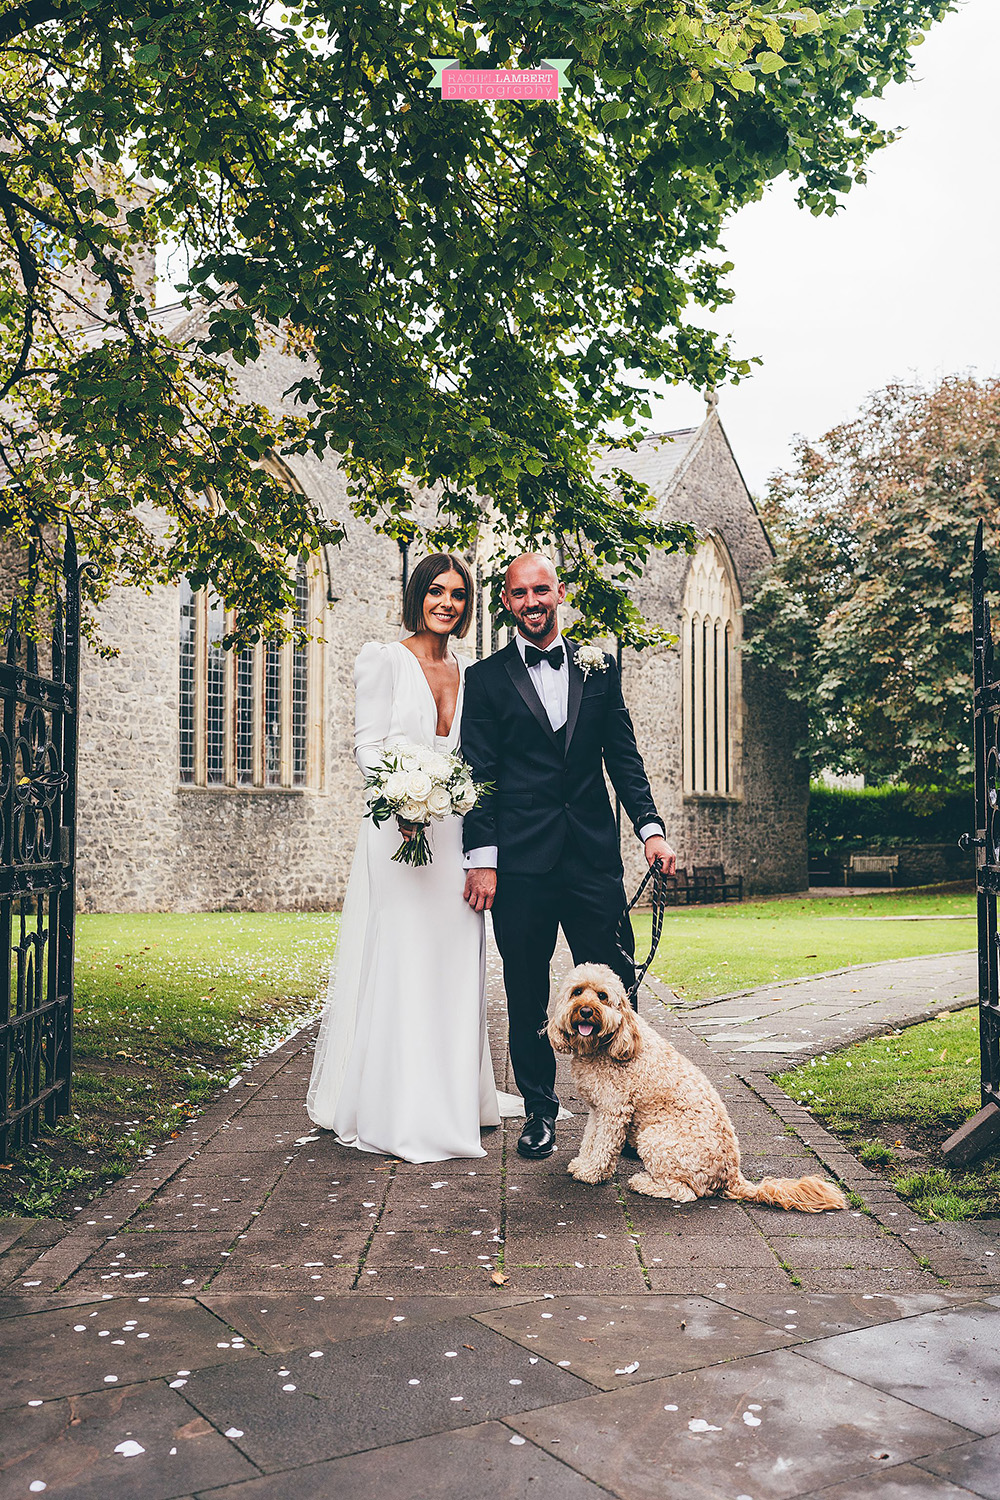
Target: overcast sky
(902, 284)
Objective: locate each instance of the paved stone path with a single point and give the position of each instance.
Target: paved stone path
(264, 1313)
(829, 1010)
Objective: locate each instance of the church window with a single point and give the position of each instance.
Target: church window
(710, 636)
(250, 718)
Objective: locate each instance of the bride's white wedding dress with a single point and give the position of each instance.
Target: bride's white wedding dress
(402, 1063)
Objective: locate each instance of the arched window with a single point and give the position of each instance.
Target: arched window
(250, 718)
(710, 637)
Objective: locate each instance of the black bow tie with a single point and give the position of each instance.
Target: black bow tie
(555, 657)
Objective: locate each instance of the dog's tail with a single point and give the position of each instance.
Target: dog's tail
(809, 1194)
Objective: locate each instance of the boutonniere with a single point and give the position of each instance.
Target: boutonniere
(590, 658)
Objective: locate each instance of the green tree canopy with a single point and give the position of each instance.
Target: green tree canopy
(479, 290)
(867, 610)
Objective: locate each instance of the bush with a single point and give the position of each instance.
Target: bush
(842, 818)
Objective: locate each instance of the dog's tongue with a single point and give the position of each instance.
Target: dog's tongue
(584, 1028)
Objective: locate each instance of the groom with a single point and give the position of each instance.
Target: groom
(542, 850)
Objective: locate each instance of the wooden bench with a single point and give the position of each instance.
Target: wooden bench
(872, 864)
(711, 883)
(677, 888)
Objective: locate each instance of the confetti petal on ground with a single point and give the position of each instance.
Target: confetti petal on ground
(628, 1369)
(130, 1448)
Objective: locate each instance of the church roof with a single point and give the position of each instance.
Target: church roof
(658, 460)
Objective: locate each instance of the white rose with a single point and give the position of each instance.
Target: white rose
(438, 802)
(418, 784)
(411, 760)
(414, 812)
(464, 797)
(590, 658)
(395, 786)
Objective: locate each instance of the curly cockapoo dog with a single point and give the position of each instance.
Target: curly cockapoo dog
(640, 1089)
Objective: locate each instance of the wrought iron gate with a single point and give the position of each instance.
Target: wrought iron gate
(39, 674)
(977, 1134)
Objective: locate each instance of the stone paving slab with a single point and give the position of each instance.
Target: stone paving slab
(476, 1463)
(119, 1341)
(772, 1423)
(69, 1447)
(641, 1338)
(279, 1324)
(370, 1392)
(974, 1465)
(945, 1362)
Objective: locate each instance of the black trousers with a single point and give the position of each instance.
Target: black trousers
(528, 911)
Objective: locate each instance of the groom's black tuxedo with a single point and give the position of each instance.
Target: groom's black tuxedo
(550, 783)
(550, 819)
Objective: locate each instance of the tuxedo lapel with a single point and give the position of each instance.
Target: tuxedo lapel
(518, 674)
(575, 691)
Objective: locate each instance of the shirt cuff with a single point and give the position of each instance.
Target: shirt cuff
(650, 830)
(482, 859)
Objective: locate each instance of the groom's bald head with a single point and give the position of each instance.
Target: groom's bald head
(532, 593)
(531, 565)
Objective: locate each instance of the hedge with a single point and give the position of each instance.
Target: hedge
(885, 817)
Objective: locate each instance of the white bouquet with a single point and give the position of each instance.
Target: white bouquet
(418, 784)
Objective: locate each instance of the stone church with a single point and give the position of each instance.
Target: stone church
(209, 780)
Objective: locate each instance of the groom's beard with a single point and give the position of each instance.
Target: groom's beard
(537, 630)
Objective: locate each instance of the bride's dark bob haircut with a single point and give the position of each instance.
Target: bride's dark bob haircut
(420, 581)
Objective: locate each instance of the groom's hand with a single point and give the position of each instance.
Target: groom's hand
(657, 848)
(480, 888)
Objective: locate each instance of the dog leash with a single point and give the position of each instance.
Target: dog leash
(654, 874)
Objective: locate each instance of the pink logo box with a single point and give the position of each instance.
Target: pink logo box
(499, 83)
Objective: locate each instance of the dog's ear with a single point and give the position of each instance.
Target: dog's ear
(627, 1040)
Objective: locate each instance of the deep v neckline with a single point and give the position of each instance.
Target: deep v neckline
(430, 691)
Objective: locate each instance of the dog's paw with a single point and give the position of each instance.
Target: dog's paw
(571, 1166)
(583, 1174)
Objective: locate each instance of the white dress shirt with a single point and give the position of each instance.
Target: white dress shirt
(552, 686)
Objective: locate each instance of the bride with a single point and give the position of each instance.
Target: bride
(402, 1062)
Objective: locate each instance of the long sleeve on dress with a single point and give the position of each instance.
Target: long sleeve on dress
(372, 704)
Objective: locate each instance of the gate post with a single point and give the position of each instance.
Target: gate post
(983, 1129)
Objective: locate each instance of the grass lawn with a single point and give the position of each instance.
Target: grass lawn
(168, 1007)
(718, 950)
(896, 1098)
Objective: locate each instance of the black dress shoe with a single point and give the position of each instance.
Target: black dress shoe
(538, 1138)
(630, 1153)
